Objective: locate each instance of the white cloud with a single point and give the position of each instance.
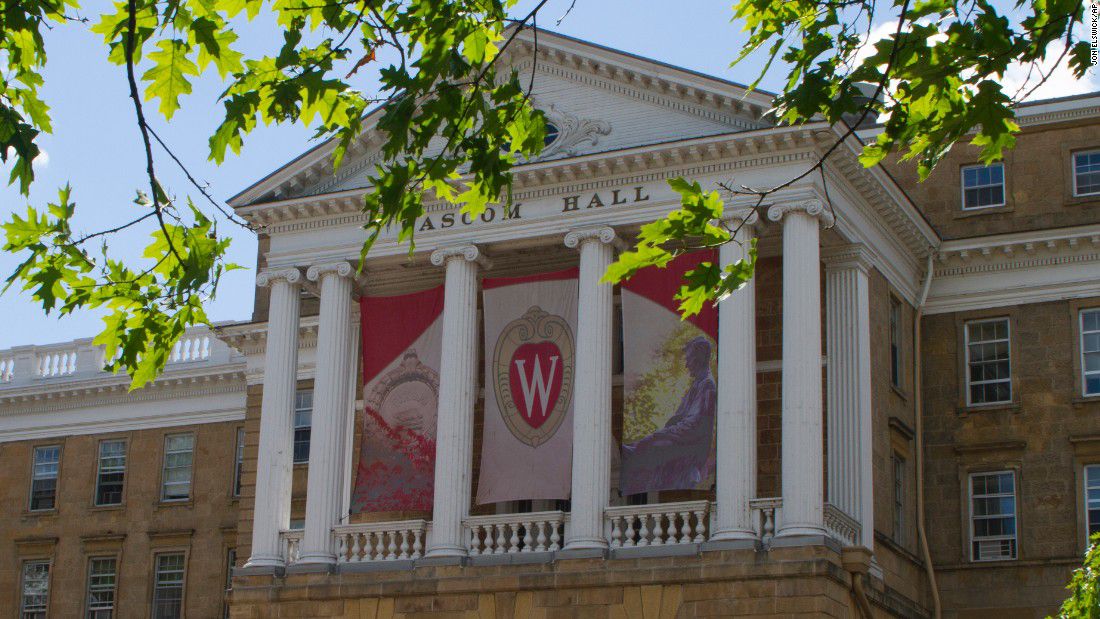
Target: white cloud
(42, 161)
(1061, 82)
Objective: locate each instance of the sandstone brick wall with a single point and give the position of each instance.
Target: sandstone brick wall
(1038, 193)
(203, 527)
(1045, 435)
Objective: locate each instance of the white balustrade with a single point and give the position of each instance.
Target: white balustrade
(512, 533)
(7, 369)
(765, 517)
(380, 541)
(663, 524)
(290, 543)
(56, 362)
(191, 347)
(841, 526)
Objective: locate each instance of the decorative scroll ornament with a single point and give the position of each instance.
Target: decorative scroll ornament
(265, 278)
(573, 133)
(813, 208)
(533, 372)
(602, 234)
(341, 269)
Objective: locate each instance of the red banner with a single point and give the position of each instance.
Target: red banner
(527, 445)
(668, 380)
(402, 342)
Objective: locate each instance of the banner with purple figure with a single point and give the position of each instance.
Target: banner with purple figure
(670, 393)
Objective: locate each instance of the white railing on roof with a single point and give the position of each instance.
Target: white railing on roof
(662, 524)
(7, 369)
(56, 362)
(513, 533)
(290, 541)
(80, 359)
(380, 541)
(194, 346)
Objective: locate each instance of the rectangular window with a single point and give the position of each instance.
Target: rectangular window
(238, 463)
(178, 459)
(1090, 352)
(898, 465)
(1092, 499)
(111, 473)
(895, 342)
(35, 596)
(983, 186)
(46, 464)
(303, 420)
(993, 516)
(988, 363)
(1086, 173)
(102, 575)
(168, 586)
(230, 563)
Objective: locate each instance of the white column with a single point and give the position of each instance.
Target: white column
(848, 372)
(736, 450)
(457, 395)
(592, 394)
(273, 468)
(330, 409)
(802, 431)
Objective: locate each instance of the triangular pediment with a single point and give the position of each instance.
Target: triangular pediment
(597, 100)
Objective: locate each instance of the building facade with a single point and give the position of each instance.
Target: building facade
(904, 349)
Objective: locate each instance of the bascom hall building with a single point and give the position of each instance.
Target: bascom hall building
(899, 414)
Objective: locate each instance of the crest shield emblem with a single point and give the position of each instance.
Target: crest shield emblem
(533, 371)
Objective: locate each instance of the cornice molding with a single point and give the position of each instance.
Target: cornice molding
(251, 338)
(88, 396)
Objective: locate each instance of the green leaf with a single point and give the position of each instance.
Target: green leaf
(168, 78)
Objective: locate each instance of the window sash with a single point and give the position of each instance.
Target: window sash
(993, 368)
(1092, 500)
(303, 423)
(238, 462)
(983, 186)
(168, 581)
(1090, 352)
(996, 512)
(102, 580)
(895, 342)
(899, 497)
(1086, 173)
(178, 461)
(44, 471)
(111, 473)
(35, 589)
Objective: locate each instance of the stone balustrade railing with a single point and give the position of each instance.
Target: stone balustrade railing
(81, 359)
(766, 513)
(841, 526)
(629, 526)
(511, 533)
(290, 543)
(380, 541)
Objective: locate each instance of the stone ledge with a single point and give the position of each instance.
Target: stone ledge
(671, 550)
(397, 565)
(311, 568)
(731, 544)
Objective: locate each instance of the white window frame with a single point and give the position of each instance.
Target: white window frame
(92, 587)
(1015, 537)
(182, 582)
(55, 475)
(963, 187)
(164, 482)
(1084, 371)
(102, 469)
(1085, 495)
(1073, 171)
(37, 610)
(299, 407)
(966, 345)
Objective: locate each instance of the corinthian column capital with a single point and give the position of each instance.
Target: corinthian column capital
(317, 271)
(469, 253)
(814, 208)
(291, 275)
(601, 234)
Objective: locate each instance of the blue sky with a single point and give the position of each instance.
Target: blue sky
(96, 147)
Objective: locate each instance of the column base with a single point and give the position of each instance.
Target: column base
(724, 535)
(802, 530)
(265, 562)
(446, 550)
(579, 543)
(315, 558)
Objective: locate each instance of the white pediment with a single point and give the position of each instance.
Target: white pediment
(598, 100)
